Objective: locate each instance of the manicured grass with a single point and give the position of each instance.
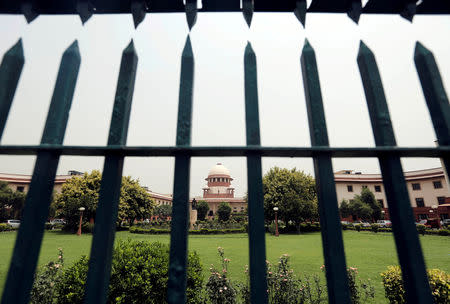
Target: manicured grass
(370, 253)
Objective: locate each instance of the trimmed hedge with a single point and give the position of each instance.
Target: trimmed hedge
(140, 230)
(6, 227)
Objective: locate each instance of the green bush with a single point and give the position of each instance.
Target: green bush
(6, 227)
(395, 292)
(421, 229)
(385, 229)
(444, 232)
(45, 280)
(87, 228)
(375, 227)
(309, 227)
(139, 274)
(140, 230)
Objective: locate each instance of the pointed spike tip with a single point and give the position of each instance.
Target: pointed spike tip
(363, 49)
(130, 48)
(191, 13)
(409, 11)
(138, 11)
(187, 51)
(307, 47)
(247, 11)
(85, 10)
(300, 11)
(355, 10)
(16, 49)
(421, 50)
(249, 49)
(73, 49)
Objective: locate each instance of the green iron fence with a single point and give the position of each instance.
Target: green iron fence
(29, 238)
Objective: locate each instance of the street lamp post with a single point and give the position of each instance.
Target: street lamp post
(276, 221)
(435, 209)
(81, 219)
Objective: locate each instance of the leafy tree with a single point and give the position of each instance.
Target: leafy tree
(293, 192)
(344, 209)
(224, 211)
(368, 198)
(163, 211)
(11, 202)
(360, 209)
(202, 210)
(83, 191)
(363, 206)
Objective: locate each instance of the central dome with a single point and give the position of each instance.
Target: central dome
(219, 169)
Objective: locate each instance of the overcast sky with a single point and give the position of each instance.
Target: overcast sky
(218, 42)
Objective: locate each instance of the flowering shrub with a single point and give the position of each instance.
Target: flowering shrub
(284, 287)
(360, 291)
(45, 281)
(282, 284)
(219, 287)
(395, 292)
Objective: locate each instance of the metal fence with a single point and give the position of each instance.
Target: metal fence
(29, 238)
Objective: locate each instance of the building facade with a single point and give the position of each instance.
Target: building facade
(428, 190)
(21, 182)
(218, 189)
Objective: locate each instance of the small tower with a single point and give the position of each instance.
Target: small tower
(219, 183)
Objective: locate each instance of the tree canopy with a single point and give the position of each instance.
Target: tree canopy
(363, 206)
(202, 210)
(11, 202)
(163, 211)
(224, 211)
(293, 192)
(83, 191)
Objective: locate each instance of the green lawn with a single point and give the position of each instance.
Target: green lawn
(369, 252)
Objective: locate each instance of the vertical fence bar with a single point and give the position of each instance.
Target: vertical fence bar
(106, 215)
(10, 71)
(257, 242)
(435, 96)
(333, 247)
(405, 233)
(29, 238)
(176, 286)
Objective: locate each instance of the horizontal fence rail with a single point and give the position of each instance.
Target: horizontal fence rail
(26, 251)
(199, 151)
(31, 9)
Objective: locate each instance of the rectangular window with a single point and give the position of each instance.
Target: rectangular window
(349, 188)
(416, 186)
(380, 201)
(20, 188)
(423, 216)
(437, 184)
(420, 202)
(377, 188)
(441, 200)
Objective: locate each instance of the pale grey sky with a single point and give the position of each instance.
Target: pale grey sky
(218, 42)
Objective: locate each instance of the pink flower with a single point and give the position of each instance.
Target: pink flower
(285, 280)
(220, 290)
(225, 288)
